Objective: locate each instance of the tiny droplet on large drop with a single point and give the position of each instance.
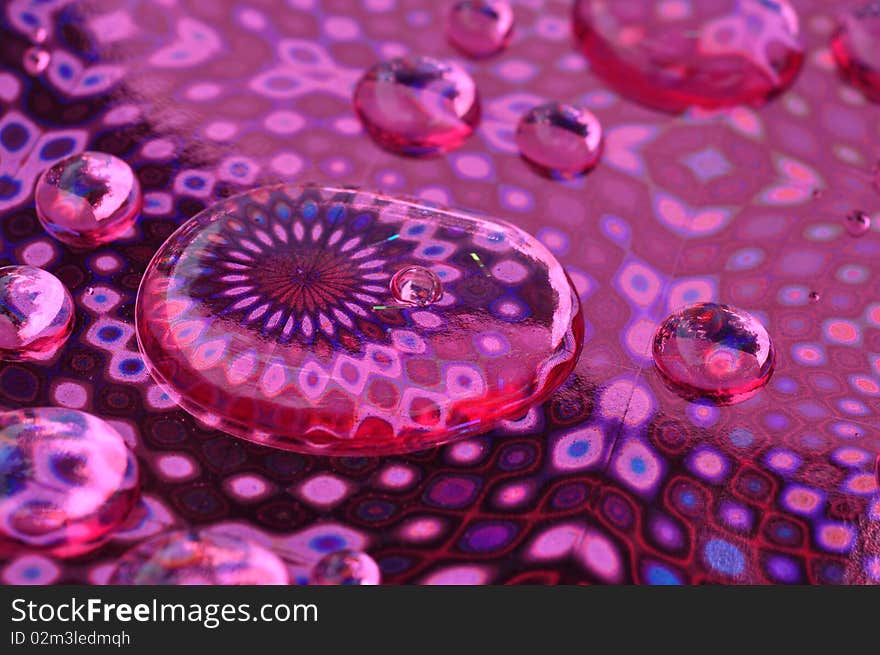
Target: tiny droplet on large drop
(36, 314)
(417, 106)
(88, 199)
(715, 352)
(416, 285)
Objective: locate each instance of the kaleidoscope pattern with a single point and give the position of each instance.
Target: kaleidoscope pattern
(614, 478)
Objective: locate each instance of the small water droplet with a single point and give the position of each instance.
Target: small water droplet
(480, 28)
(714, 352)
(90, 291)
(203, 557)
(346, 567)
(814, 297)
(416, 285)
(36, 60)
(417, 105)
(855, 49)
(709, 54)
(36, 313)
(88, 199)
(858, 223)
(67, 480)
(560, 141)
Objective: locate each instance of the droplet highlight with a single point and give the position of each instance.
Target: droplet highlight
(560, 141)
(714, 352)
(36, 60)
(88, 199)
(67, 481)
(417, 106)
(858, 223)
(199, 557)
(36, 314)
(480, 28)
(672, 56)
(346, 567)
(814, 297)
(854, 46)
(417, 286)
(312, 319)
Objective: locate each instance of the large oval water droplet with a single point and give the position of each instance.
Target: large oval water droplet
(67, 480)
(36, 313)
(479, 28)
(190, 557)
(88, 199)
(417, 105)
(346, 567)
(714, 352)
(675, 55)
(271, 315)
(855, 47)
(560, 141)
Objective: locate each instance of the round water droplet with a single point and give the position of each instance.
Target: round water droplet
(36, 313)
(714, 352)
(560, 141)
(417, 105)
(479, 28)
(272, 315)
(856, 51)
(814, 296)
(346, 567)
(35, 60)
(416, 285)
(67, 480)
(203, 557)
(858, 223)
(675, 55)
(88, 199)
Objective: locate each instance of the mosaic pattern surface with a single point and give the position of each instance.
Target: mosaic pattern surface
(614, 478)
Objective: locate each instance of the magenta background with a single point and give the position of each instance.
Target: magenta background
(705, 206)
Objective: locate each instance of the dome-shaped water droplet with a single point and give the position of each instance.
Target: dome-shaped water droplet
(560, 141)
(88, 199)
(35, 60)
(858, 223)
(675, 55)
(814, 296)
(416, 285)
(346, 567)
(714, 352)
(855, 47)
(203, 557)
(479, 28)
(67, 480)
(417, 105)
(272, 314)
(36, 313)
